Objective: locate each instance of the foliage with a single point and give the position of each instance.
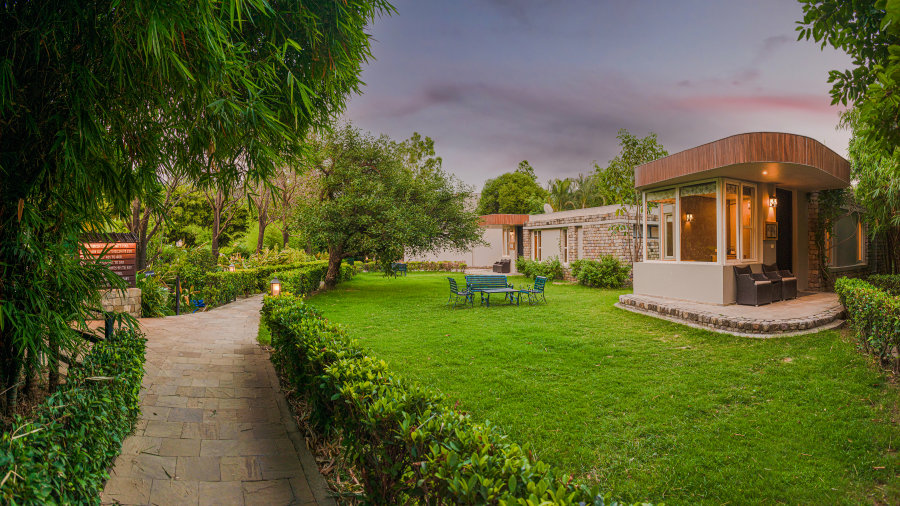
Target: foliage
(384, 199)
(156, 297)
(551, 268)
(637, 404)
(888, 282)
(830, 207)
(405, 441)
(875, 315)
(877, 189)
(559, 194)
(63, 455)
(512, 193)
(608, 272)
(615, 182)
(96, 95)
(426, 266)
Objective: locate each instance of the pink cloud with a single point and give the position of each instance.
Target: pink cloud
(750, 103)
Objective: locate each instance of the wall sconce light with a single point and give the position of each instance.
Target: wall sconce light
(688, 217)
(275, 285)
(231, 268)
(773, 202)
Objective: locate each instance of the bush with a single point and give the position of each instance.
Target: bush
(404, 441)
(156, 298)
(875, 315)
(62, 456)
(424, 266)
(550, 268)
(609, 272)
(887, 282)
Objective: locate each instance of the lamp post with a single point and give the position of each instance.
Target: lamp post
(275, 285)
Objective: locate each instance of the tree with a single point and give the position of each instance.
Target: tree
(224, 204)
(90, 93)
(287, 191)
(513, 192)
(877, 189)
(585, 194)
(615, 183)
(262, 198)
(559, 194)
(383, 199)
(153, 208)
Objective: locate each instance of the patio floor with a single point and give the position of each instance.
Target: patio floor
(810, 312)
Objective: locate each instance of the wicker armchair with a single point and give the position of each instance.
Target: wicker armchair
(785, 278)
(752, 289)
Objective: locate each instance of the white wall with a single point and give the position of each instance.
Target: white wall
(684, 281)
(480, 256)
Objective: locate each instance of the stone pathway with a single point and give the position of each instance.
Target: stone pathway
(214, 427)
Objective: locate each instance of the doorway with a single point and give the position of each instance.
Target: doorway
(784, 215)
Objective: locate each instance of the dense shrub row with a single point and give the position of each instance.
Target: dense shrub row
(439, 266)
(887, 282)
(875, 315)
(608, 272)
(62, 455)
(550, 268)
(405, 443)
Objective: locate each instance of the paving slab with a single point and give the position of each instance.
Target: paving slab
(214, 426)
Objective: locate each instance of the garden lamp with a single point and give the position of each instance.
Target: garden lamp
(276, 287)
(231, 268)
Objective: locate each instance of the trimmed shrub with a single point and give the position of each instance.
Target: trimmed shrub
(875, 315)
(887, 282)
(550, 268)
(407, 445)
(63, 454)
(609, 272)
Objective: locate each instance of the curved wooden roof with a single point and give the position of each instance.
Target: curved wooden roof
(788, 160)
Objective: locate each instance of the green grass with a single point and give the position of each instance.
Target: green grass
(263, 336)
(650, 409)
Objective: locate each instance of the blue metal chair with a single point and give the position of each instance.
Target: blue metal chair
(536, 291)
(466, 295)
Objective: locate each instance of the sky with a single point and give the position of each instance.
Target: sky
(494, 82)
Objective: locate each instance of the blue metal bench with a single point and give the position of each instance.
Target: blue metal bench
(488, 284)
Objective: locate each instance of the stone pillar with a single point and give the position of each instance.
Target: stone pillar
(129, 302)
(814, 280)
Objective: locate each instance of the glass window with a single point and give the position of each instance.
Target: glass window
(537, 245)
(698, 223)
(748, 223)
(731, 221)
(848, 242)
(564, 245)
(661, 209)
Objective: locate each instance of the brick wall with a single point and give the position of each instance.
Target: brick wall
(598, 237)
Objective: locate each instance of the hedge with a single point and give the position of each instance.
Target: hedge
(424, 266)
(875, 315)
(887, 282)
(406, 444)
(62, 455)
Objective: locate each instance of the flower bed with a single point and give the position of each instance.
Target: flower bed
(62, 456)
(404, 441)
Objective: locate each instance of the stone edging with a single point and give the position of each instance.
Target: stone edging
(673, 311)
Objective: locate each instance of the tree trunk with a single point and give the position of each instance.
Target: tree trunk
(30, 363)
(263, 222)
(335, 255)
(53, 364)
(217, 217)
(285, 235)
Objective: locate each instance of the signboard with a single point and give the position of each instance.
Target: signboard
(120, 256)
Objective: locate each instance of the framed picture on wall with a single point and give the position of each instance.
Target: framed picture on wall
(772, 231)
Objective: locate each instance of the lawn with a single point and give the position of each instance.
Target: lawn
(651, 409)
